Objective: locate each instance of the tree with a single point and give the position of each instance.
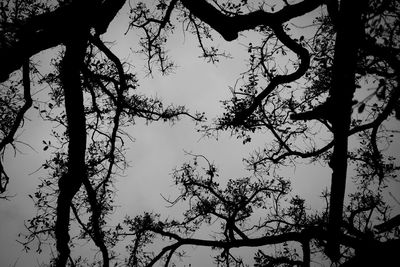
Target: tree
(335, 64)
(95, 89)
(295, 86)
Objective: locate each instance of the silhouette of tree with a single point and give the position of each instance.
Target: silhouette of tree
(304, 90)
(319, 93)
(91, 90)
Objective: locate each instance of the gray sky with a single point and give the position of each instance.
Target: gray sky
(198, 85)
(159, 148)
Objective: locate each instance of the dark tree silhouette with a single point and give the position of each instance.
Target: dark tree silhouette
(302, 89)
(322, 86)
(92, 85)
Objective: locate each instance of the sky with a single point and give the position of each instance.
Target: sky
(158, 147)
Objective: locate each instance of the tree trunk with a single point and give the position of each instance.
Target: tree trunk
(70, 182)
(349, 26)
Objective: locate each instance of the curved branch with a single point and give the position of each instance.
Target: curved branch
(50, 29)
(97, 236)
(302, 237)
(304, 155)
(172, 248)
(304, 56)
(230, 26)
(389, 224)
(119, 103)
(382, 116)
(9, 138)
(28, 103)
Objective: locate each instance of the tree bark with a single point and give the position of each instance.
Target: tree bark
(71, 181)
(349, 29)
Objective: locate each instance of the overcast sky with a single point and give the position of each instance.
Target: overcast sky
(159, 147)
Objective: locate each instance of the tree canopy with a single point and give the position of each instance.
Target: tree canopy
(327, 92)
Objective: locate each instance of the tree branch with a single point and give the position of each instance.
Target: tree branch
(9, 138)
(230, 26)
